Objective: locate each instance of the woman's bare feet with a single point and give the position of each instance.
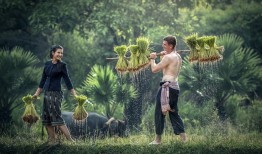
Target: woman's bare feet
(52, 142)
(66, 132)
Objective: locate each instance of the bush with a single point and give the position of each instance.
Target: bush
(249, 118)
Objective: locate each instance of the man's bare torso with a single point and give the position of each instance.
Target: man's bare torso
(172, 69)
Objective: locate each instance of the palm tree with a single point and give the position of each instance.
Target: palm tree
(238, 73)
(125, 93)
(103, 86)
(197, 83)
(18, 76)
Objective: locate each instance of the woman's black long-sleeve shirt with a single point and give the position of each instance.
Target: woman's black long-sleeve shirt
(52, 75)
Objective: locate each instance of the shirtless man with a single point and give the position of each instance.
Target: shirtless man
(167, 96)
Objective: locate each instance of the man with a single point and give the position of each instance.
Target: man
(167, 96)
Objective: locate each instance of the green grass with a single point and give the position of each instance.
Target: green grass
(136, 144)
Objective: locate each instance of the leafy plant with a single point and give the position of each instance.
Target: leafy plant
(30, 116)
(80, 111)
(18, 77)
(103, 87)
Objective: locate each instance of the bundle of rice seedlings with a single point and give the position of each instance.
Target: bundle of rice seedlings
(215, 52)
(201, 49)
(207, 45)
(133, 62)
(80, 112)
(220, 50)
(30, 116)
(121, 65)
(143, 45)
(192, 44)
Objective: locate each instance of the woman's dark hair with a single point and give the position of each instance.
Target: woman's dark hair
(171, 40)
(53, 49)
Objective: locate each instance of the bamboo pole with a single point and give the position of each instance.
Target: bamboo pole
(158, 54)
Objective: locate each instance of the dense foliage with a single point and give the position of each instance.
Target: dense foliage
(17, 78)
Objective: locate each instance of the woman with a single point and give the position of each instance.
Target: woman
(53, 72)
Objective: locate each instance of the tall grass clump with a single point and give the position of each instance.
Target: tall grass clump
(245, 114)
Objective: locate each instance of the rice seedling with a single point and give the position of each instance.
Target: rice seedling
(30, 116)
(80, 112)
(143, 45)
(134, 57)
(191, 41)
(203, 50)
(203, 56)
(215, 51)
(121, 65)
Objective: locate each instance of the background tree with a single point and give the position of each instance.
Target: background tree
(16, 29)
(238, 72)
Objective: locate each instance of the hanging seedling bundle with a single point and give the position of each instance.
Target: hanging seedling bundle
(215, 52)
(143, 45)
(138, 59)
(30, 116)
(80, 112)
(133, 65)
(202, 56)
(191, 41)
(121, 65)
(203, 49)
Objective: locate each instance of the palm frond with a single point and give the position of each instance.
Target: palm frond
(231, 42)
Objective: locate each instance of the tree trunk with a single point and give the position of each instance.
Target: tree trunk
(221, 110)
(5, 118)
(133, 110)
(108, 111)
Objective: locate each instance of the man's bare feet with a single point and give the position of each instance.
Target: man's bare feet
(72, 140)
(183, 137)
(155, 142)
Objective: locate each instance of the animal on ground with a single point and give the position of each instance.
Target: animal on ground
(95, 126)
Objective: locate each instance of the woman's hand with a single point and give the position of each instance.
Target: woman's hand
(35, 96)
(37, 93)
(73, 92)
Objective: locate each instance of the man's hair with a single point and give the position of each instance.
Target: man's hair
(53, 49)
(171, 40)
